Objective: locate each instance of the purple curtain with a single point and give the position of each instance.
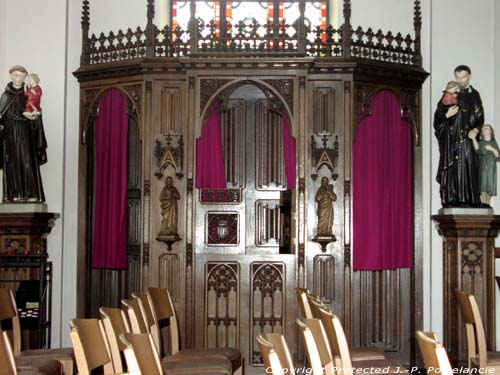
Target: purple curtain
(382, 188)
(290, 153)
(210, 172)
(110, 222)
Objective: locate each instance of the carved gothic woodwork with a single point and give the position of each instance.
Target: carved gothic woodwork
(327, 155)
(468, 265)
(167, 154)
(245, 248)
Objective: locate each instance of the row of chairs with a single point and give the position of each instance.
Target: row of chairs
(128, 339)
(135, 333)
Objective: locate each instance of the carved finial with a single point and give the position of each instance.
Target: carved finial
(150, 30)
(85, 15)
(346, 30)
(84, 59)
(151, 10)
(417, 24)
(347, 11)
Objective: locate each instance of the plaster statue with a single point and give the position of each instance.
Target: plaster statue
(489, 155)
(169, 211)
(22, 143)
(458, 171)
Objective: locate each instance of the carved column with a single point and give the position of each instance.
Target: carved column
(469, 265)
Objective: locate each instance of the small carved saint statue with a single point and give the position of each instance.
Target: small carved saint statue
(169, 213)
(325, 198)
(489, 155)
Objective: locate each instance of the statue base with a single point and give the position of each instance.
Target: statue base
(324, 241)
(168, 239)
(469, 265)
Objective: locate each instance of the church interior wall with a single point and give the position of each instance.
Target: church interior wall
(49, 43)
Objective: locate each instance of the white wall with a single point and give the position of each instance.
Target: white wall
(113, 15)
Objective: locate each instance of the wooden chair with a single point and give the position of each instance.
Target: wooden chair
(363, 353)
(317, 347)
(435, 358)
(477, 354)
(341, 354)
(271, 358)
(91, 346)
(163, 309)
(8, 364)
(115, 323)
(175, 364)
(281, 349)
(142, 358)
(24, 359)
(303, 302)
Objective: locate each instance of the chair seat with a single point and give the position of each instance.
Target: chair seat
(366, 353)
(232, 354)
(64, 355)
(35, 366)
(493, 359)
(381, 366)
(175, 364)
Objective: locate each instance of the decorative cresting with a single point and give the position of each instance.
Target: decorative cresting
(250, 37)
(222, 302)
(166, 154)
(267, 303)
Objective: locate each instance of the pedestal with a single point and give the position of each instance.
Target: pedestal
(25, 268)
(469, 265)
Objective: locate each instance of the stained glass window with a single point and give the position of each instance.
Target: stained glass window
(248, 11)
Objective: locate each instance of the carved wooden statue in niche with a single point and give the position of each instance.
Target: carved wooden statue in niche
(325, 196)
(169, 213)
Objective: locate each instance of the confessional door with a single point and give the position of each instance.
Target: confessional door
(245, 271)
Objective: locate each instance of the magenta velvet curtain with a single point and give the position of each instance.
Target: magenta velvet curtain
(110, 222)
(290, 153)
(382, 188)
(210, 172)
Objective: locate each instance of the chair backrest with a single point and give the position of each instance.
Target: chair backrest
(317, 347)
(305, 309)
(135, 315)
(7, 362)
(8, 311)
(270, 357)
(281, 348)
(115, 323)
(339, 347)
(90, 346)
(151, 322)
(315, 306)
(140, 354)
(435, 357)
(474, 328)
(163, 309)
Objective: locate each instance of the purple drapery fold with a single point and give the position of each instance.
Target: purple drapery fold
(290, 153)
(210, 171)
(382, 188)
(110, 222)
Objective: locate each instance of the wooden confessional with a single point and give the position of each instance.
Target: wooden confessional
(242, 250)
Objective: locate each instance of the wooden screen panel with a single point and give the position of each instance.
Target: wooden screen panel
(171, 110)
(169, 274)
(267, 303)
(269, 157)
(323, 110)
(268, 223)
(382, 305)
(324, 277)
(222, 305)
(233, 126)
